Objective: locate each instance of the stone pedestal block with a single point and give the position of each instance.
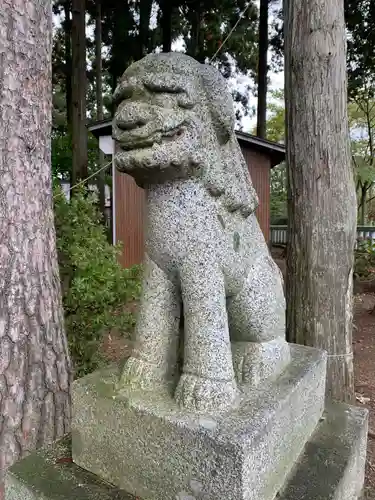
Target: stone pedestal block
(331, 467)
(143, 443)
(49, 474)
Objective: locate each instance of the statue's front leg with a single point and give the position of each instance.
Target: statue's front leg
(207, 382)
(153, 362)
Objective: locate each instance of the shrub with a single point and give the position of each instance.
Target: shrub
(364, 266)
(95, 288)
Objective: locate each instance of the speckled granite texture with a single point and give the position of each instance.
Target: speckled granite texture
(152, 448)
(205, 252)
(332, 465)
(49, 474)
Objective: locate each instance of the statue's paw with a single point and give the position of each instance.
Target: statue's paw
(140, 374)
(198, 393)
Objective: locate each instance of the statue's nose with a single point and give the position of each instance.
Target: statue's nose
(131, 116)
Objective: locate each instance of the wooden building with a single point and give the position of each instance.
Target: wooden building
(128, 199)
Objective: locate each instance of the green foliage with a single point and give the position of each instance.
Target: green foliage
(95, 288)
(278, 202)
(361, 112)
(276, 117)
(360, 29)
(204, 26)
(364, 264)
(360, 24)
(61, 156)
(61, 151)
(199, 27)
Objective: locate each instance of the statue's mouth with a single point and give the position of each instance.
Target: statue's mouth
(131, 141)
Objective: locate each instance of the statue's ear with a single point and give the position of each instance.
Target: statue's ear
(219, 101)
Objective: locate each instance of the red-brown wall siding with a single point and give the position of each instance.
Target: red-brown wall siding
(129, 209)
(130, 203)
(260, 171)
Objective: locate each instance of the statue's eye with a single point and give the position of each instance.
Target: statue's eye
(160, 88)
(184, 100)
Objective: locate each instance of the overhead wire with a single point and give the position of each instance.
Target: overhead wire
(231, 31)
(85, 180)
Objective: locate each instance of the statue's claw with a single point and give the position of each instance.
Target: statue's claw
(198, 393)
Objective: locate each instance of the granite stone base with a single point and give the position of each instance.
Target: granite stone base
(144, 444)
(331, 467)
(49, 474)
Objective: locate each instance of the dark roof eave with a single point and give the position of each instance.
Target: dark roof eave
(274, 150)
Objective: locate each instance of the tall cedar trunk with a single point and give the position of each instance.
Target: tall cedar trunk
(121, 56)
(144, 24)
(167, 25)
(195, 19)
(99, 98)
(262, 69)
(322, 199)
(68, 62)
(79, 84)
(35, 371)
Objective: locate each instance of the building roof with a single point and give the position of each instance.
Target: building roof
(274, 150)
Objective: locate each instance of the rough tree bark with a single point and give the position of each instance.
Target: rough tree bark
(262, 69)
(322, 199)
(35, 371)
(79, 85)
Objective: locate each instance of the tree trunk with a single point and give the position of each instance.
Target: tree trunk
(79, 84)
(322, 199)
(99, 98)
(262, 69)
(195, 19)
(144, 24)
(167, 25)
(68, 62)
(121, 55)
(35, 370)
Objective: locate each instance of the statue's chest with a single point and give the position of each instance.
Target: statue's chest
(184, 221)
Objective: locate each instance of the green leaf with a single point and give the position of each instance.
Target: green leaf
(95, 288)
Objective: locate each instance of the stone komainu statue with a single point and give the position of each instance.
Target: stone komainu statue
(205, 256)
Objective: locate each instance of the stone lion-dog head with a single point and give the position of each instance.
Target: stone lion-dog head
(175, 120)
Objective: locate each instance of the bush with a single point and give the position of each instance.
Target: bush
(95, 288)
(364, 265)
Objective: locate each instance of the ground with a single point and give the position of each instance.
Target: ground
(116, 347)
(364, 364)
